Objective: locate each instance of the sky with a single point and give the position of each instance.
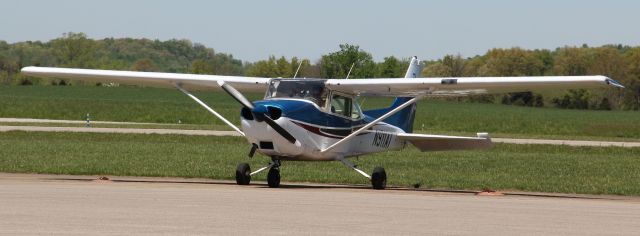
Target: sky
(254, 30)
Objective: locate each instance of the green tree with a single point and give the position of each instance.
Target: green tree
(608, 61)
(283, 68)
(143, 65)
(391, 67)
(515, 62)
(305, 66)
(631, 99)
(74, 50)
(275, 68)
(572, 61)
(473, 66)
(264, 68)
(574, 99)
(200, 66)
(546, 57)
(337, 64)
(512, 62)
(436, 69)
(8, 67)
(454, 65)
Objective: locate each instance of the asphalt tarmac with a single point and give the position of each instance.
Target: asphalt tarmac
(76, 205)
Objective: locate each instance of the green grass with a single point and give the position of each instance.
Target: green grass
(507, 120)
(130, 126)
(434, 116)
(152, 105)
(540, 168)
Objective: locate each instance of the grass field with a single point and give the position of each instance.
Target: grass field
(132, 125)
(542, 168)
(168, 106)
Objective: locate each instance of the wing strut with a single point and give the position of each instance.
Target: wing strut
(210, 109)
(374, 122)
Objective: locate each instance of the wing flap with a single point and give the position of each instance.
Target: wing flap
(430, 142)
(155, 79)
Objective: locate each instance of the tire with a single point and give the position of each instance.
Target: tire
(379, 178)
(243, 174)
(273, 178)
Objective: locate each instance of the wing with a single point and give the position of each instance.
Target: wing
(466, 85)
(149, 78)
(429, 142)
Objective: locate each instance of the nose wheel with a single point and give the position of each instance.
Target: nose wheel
(273, 177)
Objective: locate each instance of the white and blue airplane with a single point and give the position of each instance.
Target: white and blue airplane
(320, 120)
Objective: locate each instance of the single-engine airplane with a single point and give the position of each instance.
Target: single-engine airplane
(320, 120)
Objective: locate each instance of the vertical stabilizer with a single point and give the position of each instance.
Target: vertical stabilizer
(415, 68)
(404, 118)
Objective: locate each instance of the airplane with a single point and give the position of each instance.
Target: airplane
(320, 119)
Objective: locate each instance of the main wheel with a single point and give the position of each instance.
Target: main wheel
(243, 174)
(273, 178)
(379, 178)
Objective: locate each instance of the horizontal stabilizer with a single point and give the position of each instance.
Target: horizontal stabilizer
(429, 142)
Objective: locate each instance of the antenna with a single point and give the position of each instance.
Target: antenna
(299, 65)
(350, 70)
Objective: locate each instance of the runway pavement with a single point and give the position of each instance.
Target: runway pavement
(60, 205)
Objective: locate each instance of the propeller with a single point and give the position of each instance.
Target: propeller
(259, 115)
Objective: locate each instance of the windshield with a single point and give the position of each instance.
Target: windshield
(312, 90)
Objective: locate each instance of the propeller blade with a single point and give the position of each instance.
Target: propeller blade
(236, 95)
(249, 105)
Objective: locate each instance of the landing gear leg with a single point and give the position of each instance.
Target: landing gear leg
(378, 178)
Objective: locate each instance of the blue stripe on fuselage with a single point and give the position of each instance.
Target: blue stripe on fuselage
(309, 113)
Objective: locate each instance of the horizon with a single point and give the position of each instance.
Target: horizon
(337, 48)
(254, 30)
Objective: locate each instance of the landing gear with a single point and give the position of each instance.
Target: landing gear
(273, 178)
(379, 178)
(243, 174)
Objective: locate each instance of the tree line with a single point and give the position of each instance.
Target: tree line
(619, 62)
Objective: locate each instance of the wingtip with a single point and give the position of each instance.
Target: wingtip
(613, 83)
(27, 68)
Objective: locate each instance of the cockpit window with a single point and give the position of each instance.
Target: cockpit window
(341, 105)
(345, 106)
(356, 113)
(312, 90)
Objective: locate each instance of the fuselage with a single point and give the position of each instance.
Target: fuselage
(316, 128)
(317, 118)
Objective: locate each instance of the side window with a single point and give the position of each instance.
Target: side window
(355, 111)
(341, 105)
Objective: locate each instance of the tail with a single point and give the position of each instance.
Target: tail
(404, 118)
